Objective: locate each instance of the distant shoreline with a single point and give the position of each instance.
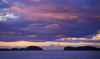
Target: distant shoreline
(68, 48)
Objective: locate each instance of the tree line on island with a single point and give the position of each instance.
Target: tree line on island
(65, 48)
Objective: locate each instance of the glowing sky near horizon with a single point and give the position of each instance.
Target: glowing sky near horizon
(47, 22)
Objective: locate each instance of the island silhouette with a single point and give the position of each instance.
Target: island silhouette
(81, 48)
(28, 48)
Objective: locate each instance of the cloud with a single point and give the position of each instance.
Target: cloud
(36, 0)
(6, 36)
(36, 25)
(30, 10)
(53, 47)
(4, 11)
(31, 36)
(78, 20)
(62, 35)
(12, 32)
(7, 15)
(4, 4)
(10, 0)
(52, 28)
(95, 39)
(60, 12)
(18, 9)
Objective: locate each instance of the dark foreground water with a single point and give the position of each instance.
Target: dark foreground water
(49, 54)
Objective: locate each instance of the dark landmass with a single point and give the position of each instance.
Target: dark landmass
(33, 48)
(28, 48)
(3, 49)
(81, 48)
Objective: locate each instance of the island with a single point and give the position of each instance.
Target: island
(16, 49)
(81, 48)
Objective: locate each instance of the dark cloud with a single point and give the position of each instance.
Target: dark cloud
(35, 28)
(4, 4)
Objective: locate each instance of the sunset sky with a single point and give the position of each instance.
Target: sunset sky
(50, 24)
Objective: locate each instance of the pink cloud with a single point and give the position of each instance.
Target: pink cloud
(36, 0)
(12, 32)
(62, 35)
(38, 11)
(6, 36)
(18, 9)
(96, 16)
(31, 36)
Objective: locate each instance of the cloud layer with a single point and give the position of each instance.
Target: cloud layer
(50, 20)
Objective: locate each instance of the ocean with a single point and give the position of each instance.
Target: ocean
(49, 54)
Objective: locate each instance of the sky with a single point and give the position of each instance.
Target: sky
(50, 24)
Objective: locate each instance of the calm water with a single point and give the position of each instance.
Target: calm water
(49, 54)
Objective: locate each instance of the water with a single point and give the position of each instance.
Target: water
(49, 54)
